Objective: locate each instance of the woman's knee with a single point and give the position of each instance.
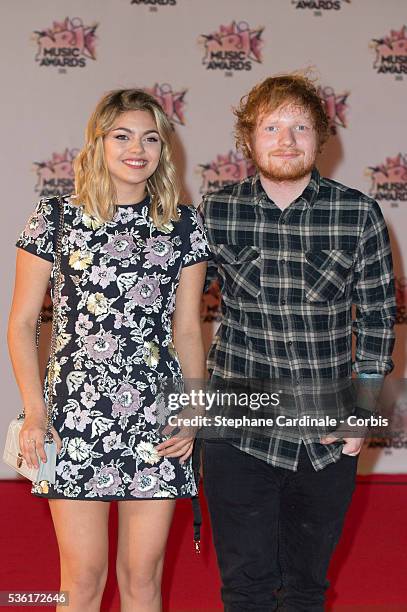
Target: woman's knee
(139, 580)
(89, 581)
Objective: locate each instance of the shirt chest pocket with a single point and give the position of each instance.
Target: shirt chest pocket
(327, 275)
(240, 266)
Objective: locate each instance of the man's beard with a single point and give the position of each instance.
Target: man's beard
(283, 170)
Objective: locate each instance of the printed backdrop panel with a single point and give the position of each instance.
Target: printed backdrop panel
(198, 58)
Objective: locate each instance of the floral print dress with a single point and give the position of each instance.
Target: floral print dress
(114, 345)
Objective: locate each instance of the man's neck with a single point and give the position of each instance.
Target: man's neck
(283, 193)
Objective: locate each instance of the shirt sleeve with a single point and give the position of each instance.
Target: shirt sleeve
(39, 235)
(212, 269)
(374, 298)
(194, 243)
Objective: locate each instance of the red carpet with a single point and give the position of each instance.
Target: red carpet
(368, 572)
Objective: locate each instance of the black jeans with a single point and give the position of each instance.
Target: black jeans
(274, 528)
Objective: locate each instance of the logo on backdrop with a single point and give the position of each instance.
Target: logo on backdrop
(67, 44)
(401, 299)
(391, 52)
(173, 102)
(320, 5)
(56, 176)
(234, 47)
(211, 310)
(335, 106)
(389, 180)
(225, 170)
(155, 3)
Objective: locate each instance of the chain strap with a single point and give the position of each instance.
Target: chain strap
(57, 277)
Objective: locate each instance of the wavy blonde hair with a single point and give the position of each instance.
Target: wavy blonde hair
(94, 188)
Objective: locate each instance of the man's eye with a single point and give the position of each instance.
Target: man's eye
(301, 128)
(271, 128)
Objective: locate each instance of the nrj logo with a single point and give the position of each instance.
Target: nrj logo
(391, 52)
(401, 299)
(154, 3)
(211, 310)
(173, 102)
(320, 5)
(335, 106)
(389, 180)
(233, 47)
(225, 170)
(56, 176)
(67, 44)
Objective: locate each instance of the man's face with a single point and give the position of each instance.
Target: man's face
(284, 144)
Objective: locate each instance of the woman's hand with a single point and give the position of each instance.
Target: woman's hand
(177, 446)
(181, 444)
(32, 437)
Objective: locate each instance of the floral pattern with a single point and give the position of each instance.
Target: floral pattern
(114, 346)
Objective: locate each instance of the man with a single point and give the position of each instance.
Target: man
(293, 251)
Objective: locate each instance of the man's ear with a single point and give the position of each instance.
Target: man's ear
(248, 147)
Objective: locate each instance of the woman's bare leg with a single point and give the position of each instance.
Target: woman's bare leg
(81, 527)
(143, 532)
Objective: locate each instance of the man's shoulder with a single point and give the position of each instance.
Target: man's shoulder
(241, 189)
(334, 191)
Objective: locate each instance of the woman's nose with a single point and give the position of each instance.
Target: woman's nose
(136, 145)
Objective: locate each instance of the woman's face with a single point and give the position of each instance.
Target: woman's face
(132, 150)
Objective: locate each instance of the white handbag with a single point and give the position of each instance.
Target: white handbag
(44, 475)
(12, 455)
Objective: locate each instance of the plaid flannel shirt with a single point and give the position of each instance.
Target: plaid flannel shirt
(288, 281)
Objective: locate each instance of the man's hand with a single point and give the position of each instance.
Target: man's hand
(351, 447)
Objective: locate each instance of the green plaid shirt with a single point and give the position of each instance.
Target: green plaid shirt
(288, 281)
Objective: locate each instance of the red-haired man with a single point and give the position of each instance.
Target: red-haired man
(294, 251)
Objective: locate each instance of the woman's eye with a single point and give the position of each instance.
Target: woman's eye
(152, 139)
(122, 137)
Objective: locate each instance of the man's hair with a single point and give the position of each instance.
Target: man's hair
(272, 93)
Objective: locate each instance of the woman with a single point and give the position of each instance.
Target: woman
(133, 265)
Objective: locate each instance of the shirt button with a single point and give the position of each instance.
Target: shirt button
(283, 261)
(290, 343)
(282, 221)
(282, 302)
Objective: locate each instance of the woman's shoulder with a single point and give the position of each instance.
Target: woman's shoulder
(190, 222)
(53, 201)
(188, 213)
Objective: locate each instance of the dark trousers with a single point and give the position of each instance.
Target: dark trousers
(274, 529)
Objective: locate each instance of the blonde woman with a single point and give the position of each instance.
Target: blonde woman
(133, 265)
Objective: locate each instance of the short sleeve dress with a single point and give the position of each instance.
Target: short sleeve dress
(114, 344)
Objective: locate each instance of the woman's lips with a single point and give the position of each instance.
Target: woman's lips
(135, 163)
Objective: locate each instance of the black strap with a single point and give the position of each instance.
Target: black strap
(196, 507)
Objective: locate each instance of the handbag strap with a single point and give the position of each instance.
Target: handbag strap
(55, 316)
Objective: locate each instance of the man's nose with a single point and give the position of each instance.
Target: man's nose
(286, 136)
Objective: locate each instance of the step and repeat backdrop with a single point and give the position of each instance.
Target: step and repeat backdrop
(198, 57)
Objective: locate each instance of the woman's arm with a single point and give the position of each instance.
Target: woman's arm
(188, 344)
(32, 276)
(187, 322)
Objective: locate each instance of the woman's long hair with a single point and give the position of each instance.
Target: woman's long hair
(94, 188)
